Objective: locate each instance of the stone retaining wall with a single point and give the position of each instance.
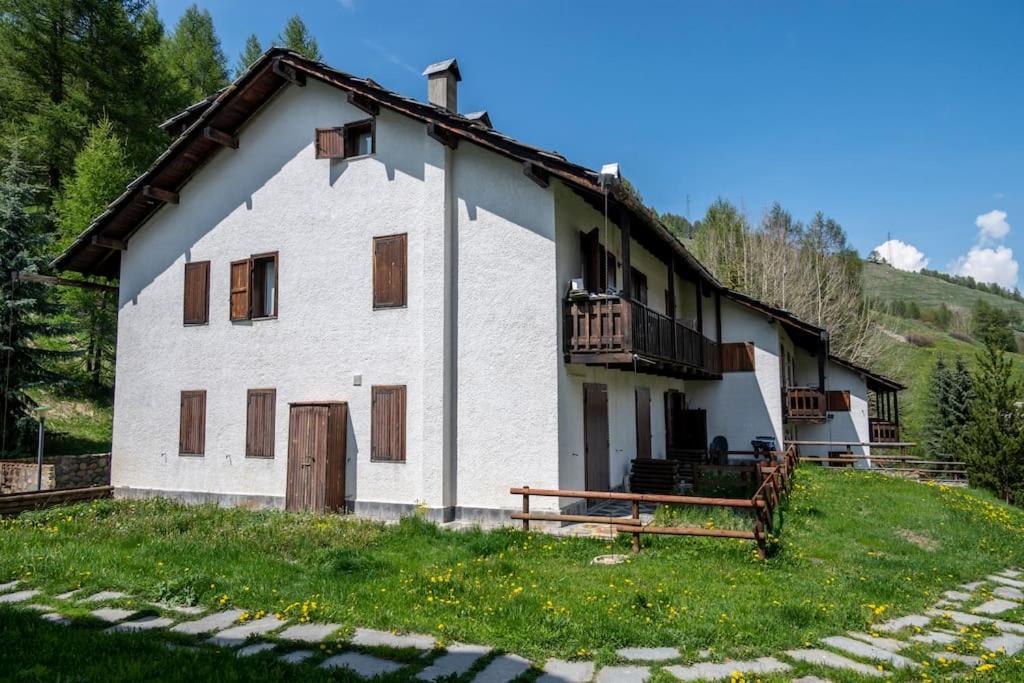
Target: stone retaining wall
(59, 472)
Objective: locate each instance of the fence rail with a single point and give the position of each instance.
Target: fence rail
(775, 477)
(15, 503)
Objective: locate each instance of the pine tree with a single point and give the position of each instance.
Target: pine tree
(100, 174)
(296, 36)
(937, 420)
(26, 315)
(192, 53)
(993, 440)
(250, 53)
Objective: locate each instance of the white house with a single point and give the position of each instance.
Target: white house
(332, 295)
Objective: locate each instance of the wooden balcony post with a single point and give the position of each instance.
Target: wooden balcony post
(636, 534)
(627, 274)
(822, 358)
(700, 316)
(896, 409)
(526, 507)
(718, 326)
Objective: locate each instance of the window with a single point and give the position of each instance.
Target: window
(389, 271)
(344, 142)
(387, 424)
(259, 423)
(613, 276)
(643, 422)
(197, 293)
(638, 286)
(254, 287)
(595, 262)
(192, 426)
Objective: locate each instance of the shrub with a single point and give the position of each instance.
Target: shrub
(922, 340)
(962, 336)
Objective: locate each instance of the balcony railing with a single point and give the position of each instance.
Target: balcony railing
(883, 431)
(613, 329)
(805, 403)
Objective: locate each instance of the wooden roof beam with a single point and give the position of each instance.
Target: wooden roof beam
(289, 73)
(441, 135)
(364, 103)
(536, 173)
(159, 194)
(220, 137)
(107, 243)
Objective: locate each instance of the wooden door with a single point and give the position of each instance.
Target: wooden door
(643, 422)
(595, 437)
(307, 458)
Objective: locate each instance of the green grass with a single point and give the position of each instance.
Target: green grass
(883, 283)
(76, 425)
(850, 540)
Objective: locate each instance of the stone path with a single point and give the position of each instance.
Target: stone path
(900, 643)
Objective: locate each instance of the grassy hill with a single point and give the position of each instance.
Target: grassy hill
(884, 283)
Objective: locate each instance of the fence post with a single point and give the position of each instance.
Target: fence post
(526, 507)
(636, 534)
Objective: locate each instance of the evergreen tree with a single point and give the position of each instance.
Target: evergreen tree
(101, 173)
(250, 53)
(937, 419)
(26, 316)
(192, 53)
(677, 225)
(992, 326)
(296, 36)
(993, 439)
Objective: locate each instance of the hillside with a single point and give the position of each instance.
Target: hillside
(883, 283)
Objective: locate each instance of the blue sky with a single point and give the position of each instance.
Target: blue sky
(902, 118)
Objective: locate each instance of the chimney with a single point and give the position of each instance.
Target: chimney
(442, 88)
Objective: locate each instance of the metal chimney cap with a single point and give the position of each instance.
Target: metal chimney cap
(440, 67)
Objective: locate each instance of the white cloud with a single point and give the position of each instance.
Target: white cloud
(992, 225)
(390, 56)
(989, 265)
(902, 256)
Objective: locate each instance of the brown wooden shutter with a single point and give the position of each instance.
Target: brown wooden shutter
(197, 293)
(192, 428)
(643, 422)
(330, 143)
(240, 299)
(838, 401)
(387, 424)
(737, 356)
(259, 423)
(390, 280)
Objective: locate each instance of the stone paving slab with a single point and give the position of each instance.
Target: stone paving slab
(934, 638)
(861, 649)
(36, 607)
(296, 657)
(236, 635)
(914, 620)
(969, 660)
(104, 595)
(368, 637)
(503, 669)
(1005, 581)
(309, 633)
(624, 674)
(1012, 573)
(957, 596)
(833, 661)
(190, 610)
(973, 620)
(1009, 643)
(995, 606)
(973, 586)
(890, 644)
(363, 665)
(212, 622)
(18, 596)
(458, 659)
(67, 595)
(143, 624)
(811, 679)
(648, 654)
(1009, 593)
(9, 586)
(717, 670)
(255, 649)
(56, 618)
(560, 671)
(112, 614)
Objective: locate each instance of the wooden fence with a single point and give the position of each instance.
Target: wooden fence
(776, 476)
(906, 466)
(15, 503)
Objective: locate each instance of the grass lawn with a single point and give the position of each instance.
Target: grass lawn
(856, 548)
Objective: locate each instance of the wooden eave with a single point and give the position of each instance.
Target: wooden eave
(875, 381)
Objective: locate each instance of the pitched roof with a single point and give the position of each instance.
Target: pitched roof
(441, 67)
(228, 109)
(876, 381)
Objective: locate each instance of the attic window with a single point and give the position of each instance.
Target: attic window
(345, 142)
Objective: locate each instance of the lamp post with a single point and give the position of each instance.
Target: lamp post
(40, 412)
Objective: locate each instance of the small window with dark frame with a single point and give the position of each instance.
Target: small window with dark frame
(254, 287)
(638, 283)
(259, 423)
(197, 293)
(356, 139)
(192, 423)
(387, 423)
(390, 279)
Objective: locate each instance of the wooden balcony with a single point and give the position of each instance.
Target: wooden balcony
(805, 404)
(884, 431)
(611, 330)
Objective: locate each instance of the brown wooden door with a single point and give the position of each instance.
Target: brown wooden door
(643, 422)
(595, 437)
(307, 458)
